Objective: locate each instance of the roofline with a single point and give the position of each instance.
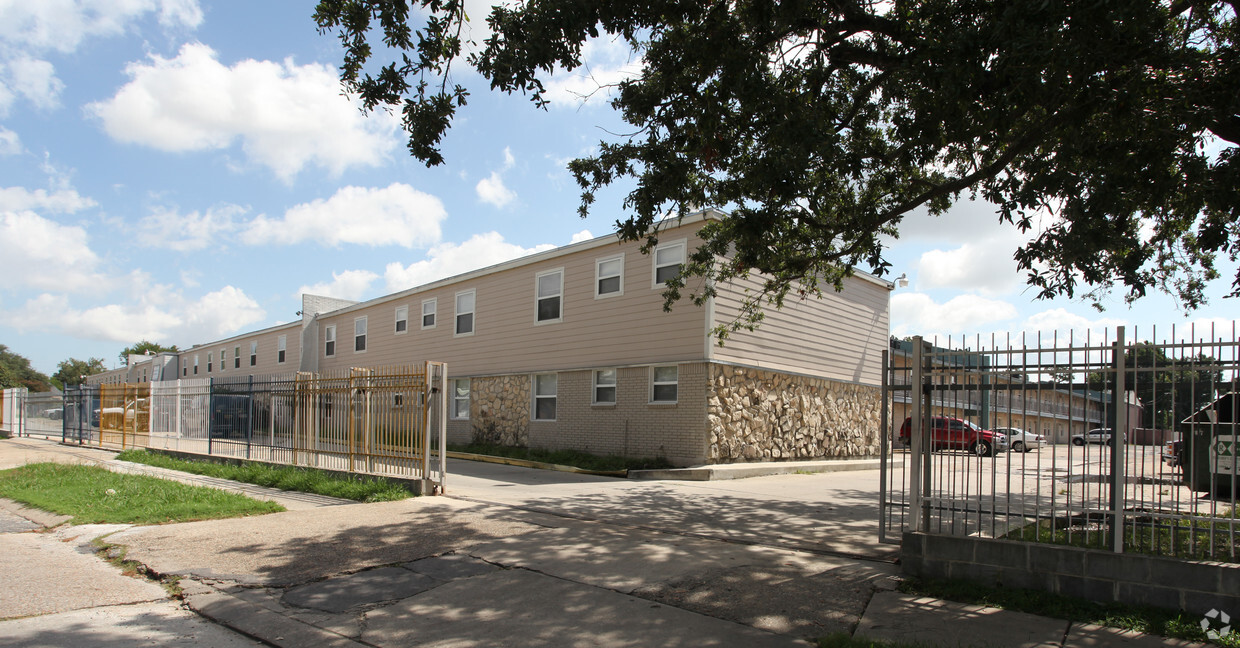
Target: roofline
(709, 213)
(269, 329)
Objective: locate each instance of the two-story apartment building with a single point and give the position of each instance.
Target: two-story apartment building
(572, 348)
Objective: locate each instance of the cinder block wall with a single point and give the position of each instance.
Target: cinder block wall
(1195, 587)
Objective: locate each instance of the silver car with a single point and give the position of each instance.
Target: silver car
(1021, 441)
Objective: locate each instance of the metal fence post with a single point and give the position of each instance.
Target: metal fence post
(920, 515)
(1118, 435)
(210, 414)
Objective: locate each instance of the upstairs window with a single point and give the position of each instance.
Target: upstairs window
(402, 319)
(550, 288)
(223, 359)
(359, 334)
(329, 337)
(428, 313)
(210, 361)
(281, 348)
(236, 357)
(609, 276)
(465, 312)
(668, 261)
(253, 353)
(195, 365)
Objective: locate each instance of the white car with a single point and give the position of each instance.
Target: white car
(1096, 435)
(1021, 441)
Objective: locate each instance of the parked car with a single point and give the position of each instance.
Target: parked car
(1096, 435)
(1173, 453)
(956, 434)
(55, 413)
(1021, 441)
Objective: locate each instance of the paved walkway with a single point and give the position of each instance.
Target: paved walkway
(510, 557)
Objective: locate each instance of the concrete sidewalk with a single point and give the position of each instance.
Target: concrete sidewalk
(514, 558)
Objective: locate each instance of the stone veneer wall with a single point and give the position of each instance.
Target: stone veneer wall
(499, 406)
(758, 415)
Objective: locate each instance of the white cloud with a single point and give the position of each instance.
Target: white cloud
(166, 228)
(35, 80)
(606, 61)
(985, 266)
(62, 25)
(917, 314)
(39, 253)
(583, 235)
(491, 190)
(65, 201)
(285, 116)
(350, 284)
(10, 143)
(449, 259)
(167, 316)
(395, 215)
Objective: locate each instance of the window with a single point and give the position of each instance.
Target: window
(195, 365)
(236, 357)
(544, 397)
(460, 398)
(223, 359)
(465, 313)
(550, 287)
(184, 371)
(253, 353)
(210, 361)
(663, 384)
(359, 334)
(609, 276)
(398, 400)
(605, 387)
(281, 348)
(402, 319)
(428, 313)
(668, 260)
(329, 334)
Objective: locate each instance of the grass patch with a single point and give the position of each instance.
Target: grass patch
(94, 495)
(1177, 538)
(290, 478)
(1149, 620)
(574, 458)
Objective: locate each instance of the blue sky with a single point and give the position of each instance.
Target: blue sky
(182, 170)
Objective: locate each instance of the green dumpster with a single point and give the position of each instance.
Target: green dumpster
(1211, 458)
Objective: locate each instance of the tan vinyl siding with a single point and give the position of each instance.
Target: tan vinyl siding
(840, 337)
(266, 361)
(622, 330)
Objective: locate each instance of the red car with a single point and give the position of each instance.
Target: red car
(956, 434)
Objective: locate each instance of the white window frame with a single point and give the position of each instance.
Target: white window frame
(402, 316)
(654, 261)
(237, 357)
(210, 361)
(223, 358)
(457, 313)
(360, 327)
(654, 383)
(433, 302)
(195, 364)
(615, 380)
(536, 397)
(281, 349)
(559, 296)
(329, 337)
(253, 353)
(598, 276)
(456, 399)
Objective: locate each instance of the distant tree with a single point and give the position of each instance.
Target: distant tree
(1168, 389)
(15, 371)
(74, 372)
(142, 348)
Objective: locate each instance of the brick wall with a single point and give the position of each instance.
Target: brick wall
(1195, 587)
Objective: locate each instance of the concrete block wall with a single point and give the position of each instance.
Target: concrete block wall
(1138, 579)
